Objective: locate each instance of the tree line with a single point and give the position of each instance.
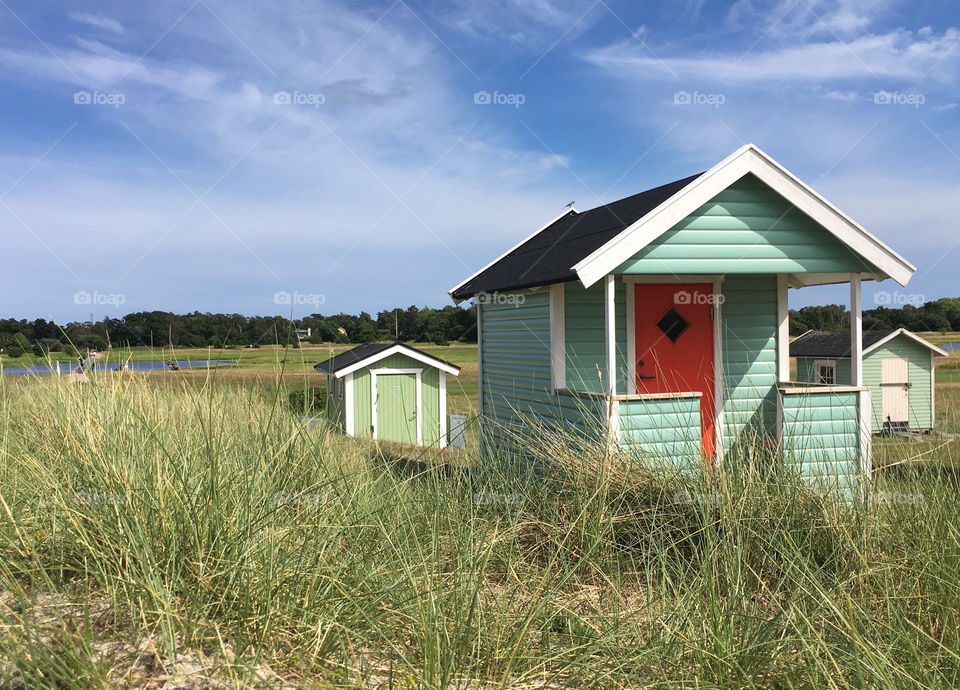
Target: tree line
(414, 324)
(200, 329)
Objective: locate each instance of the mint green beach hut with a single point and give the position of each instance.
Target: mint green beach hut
(898, 367)
(389, 392)
(661, 320)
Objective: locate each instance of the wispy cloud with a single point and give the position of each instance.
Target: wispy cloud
(98, 21)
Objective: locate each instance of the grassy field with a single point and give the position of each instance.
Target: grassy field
(187, 528)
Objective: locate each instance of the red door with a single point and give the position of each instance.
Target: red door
(674, 345)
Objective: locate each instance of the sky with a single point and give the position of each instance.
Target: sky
(298, 157)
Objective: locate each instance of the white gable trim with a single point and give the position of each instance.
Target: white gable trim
(747, 159)
(506, 253)
(402, 350)
(912, 336)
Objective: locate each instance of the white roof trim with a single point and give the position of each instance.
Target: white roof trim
(912, 336)
(399, 348)
(747, 159)
(506, 253)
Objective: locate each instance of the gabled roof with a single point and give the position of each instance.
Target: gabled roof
(837, 345)
(364, 355)
(591, 244)
(548, 256)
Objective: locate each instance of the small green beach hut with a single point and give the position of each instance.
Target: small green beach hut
(389, 392)
(898, 367)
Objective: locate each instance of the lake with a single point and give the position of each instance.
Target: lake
(107, 367)
(950, 346)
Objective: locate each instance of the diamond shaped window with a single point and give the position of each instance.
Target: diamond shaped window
(673, 324)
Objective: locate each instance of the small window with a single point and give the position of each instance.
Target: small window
(825, 372)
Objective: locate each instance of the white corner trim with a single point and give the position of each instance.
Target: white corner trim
(509, 251)
(610, 332)
(479, 361)
(866, 434)
(747, 159)
(374, 411)
(856, 331)
(443, 409)
(913, 336)
(558, 337)
(783, 328)
(631, 305)
(401, 349)
(348, 405)
(718, 401)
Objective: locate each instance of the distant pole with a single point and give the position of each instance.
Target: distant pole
(396, 323)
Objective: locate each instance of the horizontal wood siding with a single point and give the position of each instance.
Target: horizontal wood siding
(920, 371)
(749, 353)
(747, 228)
(515, 381)
(666, 431)
(821, 436)
(584, 311)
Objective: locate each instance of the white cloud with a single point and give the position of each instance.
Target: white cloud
(897, 55)
(98, 21)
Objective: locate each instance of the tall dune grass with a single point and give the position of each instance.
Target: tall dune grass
(213, 521)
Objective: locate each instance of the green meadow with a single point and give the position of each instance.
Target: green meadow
(190, 528)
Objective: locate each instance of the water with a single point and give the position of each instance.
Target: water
(107, 367)
(950, 346)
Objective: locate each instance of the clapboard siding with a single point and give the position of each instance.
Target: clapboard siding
(821, 436)
(749, 355)
(516, 387)
(747, 228)
(584, 311)
(666, 431)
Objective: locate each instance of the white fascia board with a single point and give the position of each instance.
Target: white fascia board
(747, 159)
(506, 253)
(403, 350)
(912, 336)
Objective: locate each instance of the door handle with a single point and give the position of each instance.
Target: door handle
(644, 377)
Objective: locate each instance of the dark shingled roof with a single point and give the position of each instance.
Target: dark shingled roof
(824, 344)
(366, 351)
(549, 256)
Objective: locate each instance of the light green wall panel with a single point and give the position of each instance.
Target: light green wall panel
(585, 340)
(749, 351)
(821, 437)
(747, 228)
(665, 432)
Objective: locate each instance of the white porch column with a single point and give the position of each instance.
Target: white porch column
(783, 329)
(856, 331)
(610, 330)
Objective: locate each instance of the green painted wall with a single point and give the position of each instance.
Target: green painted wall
(515, 385)
(664, 431)
(821, 436)
(749, 351)
(747, 228)
(363, 408)
(920, 371)
(585, 340)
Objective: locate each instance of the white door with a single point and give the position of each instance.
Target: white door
(896, 389)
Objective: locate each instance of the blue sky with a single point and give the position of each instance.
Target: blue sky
(210, 154)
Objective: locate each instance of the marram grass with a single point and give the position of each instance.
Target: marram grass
(209, 523)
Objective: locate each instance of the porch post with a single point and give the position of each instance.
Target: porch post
(856, 331)
(610, 330)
